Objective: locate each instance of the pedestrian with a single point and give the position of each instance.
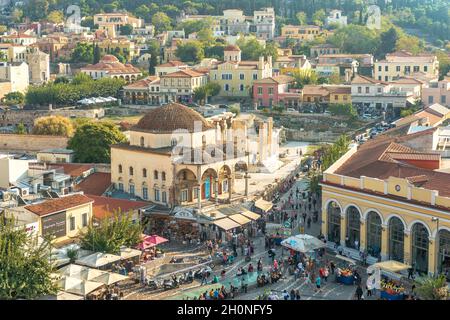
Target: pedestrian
(369, 291)
(292, 294)
(411, 273)
(359, 293)
(325, 273)
(204, 278)
(275, 264)
(285, 295)
(318, 283)
(297, 294)
(309, 222)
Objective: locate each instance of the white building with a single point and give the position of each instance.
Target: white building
(336, 17)
(12, 169)
(16, 74)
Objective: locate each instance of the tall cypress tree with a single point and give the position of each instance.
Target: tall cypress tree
(96, 53)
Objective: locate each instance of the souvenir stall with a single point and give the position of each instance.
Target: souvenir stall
(277, 233)
(304, 244)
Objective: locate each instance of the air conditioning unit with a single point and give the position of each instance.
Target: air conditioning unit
(8, 196)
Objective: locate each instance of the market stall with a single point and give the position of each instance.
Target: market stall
(390, 284)
(263, 205)
(344, 271)
(277, 233)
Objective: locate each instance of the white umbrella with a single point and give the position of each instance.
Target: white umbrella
(81, 272)
(303, 243)
(98, 259)
(78, 286)
(109, 278)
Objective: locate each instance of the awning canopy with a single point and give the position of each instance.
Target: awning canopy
(109, 278)
(78, 286)
(350, 260)
(97, 260)
(80, 272)
(239, 218)
(263, 205)
(390, 265)
(251, 215)
(303, 243)
(226, 224)
(127, 253)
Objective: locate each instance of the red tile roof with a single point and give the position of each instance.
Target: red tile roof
(72, 169)
(57, 205)
(382, 158)
(95, 184)
(105, 206)
(183, 74)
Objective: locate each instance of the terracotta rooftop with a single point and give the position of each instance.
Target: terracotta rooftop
(172, 117)
(386, 156)
(173, 63)
(183, 74)
(72, 169)
(281, 79)
(106, 206)
(143, 83)
(95, 184)
(359, 79)
(57, 205)
(231, 47)
(112, 65)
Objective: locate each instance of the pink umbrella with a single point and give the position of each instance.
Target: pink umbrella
(144, 245)
(155, 240)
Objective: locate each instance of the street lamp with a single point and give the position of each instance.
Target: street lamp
(436, 219)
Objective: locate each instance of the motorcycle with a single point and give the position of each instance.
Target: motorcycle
(153, 284)
(170, 284)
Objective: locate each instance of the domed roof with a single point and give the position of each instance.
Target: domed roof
(231, 47)
(171, 117)
(109, 58)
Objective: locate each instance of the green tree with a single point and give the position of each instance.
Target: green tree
(25, 267)
(92, 142)
(346, 110)
(126, 29)
(235, 110)
(161, 21)
(114, 231)
(20, 129)
(83, 52)
(251, 48)
(388, 42)
(55, 16)
(13, 98)
(410, 43)
(155, 50)
(302, 18)
(319, 17)
(143, 12)
(96, 54)
(53, 126)
(432, 288)
(304, 77)
(191, 51)
(210, 89)
(444, 63)
(355, 39)
(17, 15)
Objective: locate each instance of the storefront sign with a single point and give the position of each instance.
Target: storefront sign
(54, 224)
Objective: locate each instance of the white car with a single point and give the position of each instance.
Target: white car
(291, 110)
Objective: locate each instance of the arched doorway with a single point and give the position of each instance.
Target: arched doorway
(224, 174)
(443, 263)
(374, 230)
(353, 227)
(208, 178)
(334, 222)
(419, 247)
(396, 239)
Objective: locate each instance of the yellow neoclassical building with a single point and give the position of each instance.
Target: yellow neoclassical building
(388, 197)
(235, 76)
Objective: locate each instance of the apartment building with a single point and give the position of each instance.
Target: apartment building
(111, 22)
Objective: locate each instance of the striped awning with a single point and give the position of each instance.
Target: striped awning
(239, 218)
(226, 224)
(250, 215)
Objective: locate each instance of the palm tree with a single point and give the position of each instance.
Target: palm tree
(433, 288)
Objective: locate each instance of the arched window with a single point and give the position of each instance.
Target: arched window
(144, 173)
(444, 251)
(142, 141)
(353, 227)
(120, 168)
(163, 176)
(334, 222)
(373, 234)
(155, 174)
(396, 239)
(131, 171)
(420, 244)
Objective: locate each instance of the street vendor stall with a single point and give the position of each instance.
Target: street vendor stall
(78, 286)
(303, 243)
(263, 205)
(277, 232)
(344, 273)
(390, 283)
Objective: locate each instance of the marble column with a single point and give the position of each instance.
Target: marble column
(216, 189)
(246, 176)
(229, 189)
(199, 197)
(343, 229)
(384, 242)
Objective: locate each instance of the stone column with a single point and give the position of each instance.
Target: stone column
(362, 235)
(432, 255)
(246, 176)
(407, 248)
(216, 189)
(230, 189)
(343, 229)
(199, 197)
(384, 242)
(324, 222)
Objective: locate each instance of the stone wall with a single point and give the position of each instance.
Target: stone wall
(30, 143)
